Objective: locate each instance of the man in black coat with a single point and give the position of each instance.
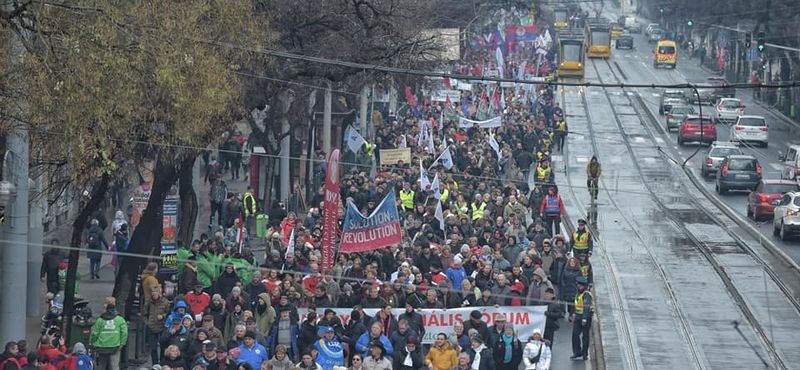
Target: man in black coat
(483, 354)
(413, 318)
(554, 313)
(50, 261)
(410, 356)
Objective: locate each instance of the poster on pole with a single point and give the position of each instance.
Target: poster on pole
(524, 318)
(380, 229)
(141, 194)
(330, 212)
(169, 236)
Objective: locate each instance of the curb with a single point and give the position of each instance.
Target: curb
(778, 113)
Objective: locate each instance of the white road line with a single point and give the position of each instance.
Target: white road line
(776, 166)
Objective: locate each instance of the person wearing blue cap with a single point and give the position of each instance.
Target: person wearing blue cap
(582, 320)
(329, 348)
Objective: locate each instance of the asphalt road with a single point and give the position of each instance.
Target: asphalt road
(638, 68)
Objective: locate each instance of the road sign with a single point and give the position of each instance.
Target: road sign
(752, 55)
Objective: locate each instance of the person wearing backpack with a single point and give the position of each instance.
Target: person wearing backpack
(109, 335)
(120, 245)
(95, 242)
(78, 360)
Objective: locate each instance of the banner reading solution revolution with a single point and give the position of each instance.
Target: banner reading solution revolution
(380, 229)
(524, 318)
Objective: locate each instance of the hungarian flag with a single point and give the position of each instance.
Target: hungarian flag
(240, 234)
(447, 83)
(410, 97)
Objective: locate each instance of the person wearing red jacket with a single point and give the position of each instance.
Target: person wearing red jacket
(551, 211)
(46, 348)
(198, 301)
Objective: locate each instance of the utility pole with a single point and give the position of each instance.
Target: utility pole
(15, 243)
(363, 111)
(286, 102)
(326, 121)
(35, 239)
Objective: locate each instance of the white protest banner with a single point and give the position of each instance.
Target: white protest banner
(524, 318)
(466, 86)
(442, 95)
(490, 123)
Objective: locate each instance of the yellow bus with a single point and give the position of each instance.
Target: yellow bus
(598, 33)
(561, 19)
(571, 56)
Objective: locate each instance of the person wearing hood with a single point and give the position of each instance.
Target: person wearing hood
(50, 261)
(280, 361)
(8, 359)
(109, 335)
(227, 279)
(329, 348)
(263, 312)
(536, 354)
(480, 356)
(255, 287)
(538, 286)
(441, 356)
(180, 310)
(176, 335)
(409, 357)
(78, 360)
(95, 242)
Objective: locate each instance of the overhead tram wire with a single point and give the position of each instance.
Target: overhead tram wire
(423, 73)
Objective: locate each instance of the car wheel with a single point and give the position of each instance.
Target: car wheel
(703, 172)
(775, 230)
(661, 111)
(765, 144)
(722, 189)
(680, 141)
(784, 232)
(750, 213)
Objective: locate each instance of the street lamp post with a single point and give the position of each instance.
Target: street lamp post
(15, 254)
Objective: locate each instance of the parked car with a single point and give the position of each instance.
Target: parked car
(651, 27)
(723, 88)
(718, 151)
(636, 28)
(695, 128)
(669, 98)
(790, 161)
(705, 94)
(786, 215)
(624, 42)
(728, 110)
(760, 201)
(655, 36)
(738, 172)
(675, 115)
(752, 129)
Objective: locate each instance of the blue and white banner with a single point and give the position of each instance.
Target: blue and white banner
(379, 230)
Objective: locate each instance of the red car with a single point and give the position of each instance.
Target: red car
(759, 202)
(693, 128)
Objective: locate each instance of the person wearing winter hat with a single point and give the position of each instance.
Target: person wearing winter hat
(410, 356)
(280, 361)
(480, 356)
(508, 350)
(536, 354)
(307, 362)
(109, 335)
(329, 348)
(78, 360)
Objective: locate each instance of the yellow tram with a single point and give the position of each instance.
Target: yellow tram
(571, 56)
(598, 33)
(561, 19)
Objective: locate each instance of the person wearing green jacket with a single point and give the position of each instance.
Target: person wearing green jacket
(206, 267)
(62, 278)
(184, 253)
(109, 335)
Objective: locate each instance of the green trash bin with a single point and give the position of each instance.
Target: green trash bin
(81, 332)
(262, 221)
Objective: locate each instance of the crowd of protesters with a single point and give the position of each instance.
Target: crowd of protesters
(498, 242)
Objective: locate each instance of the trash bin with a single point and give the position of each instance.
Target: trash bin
(81, 332)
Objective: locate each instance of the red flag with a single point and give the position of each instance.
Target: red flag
(330, 211)
(447, 103)
(483, 97)
(447, 83)
(496, 98)
(424, 101)
(240, 233)
(410, 97)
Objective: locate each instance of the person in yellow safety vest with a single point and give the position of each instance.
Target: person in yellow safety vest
(561, 135)
(581, 240)
(541, 171)
(407, 197)
(478, 207)
(445, 194)
(582, 320)
(542, 155)
(249, 202)
(370, 148)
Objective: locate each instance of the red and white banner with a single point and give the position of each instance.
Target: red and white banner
(524, 318)
(330, 212)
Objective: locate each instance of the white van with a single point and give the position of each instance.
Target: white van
(790, 162)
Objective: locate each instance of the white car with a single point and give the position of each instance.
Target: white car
(728, 110)
(650, 28)
(751, 128)
(786, 217)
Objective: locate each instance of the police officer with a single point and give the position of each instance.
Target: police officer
(581, 240)
(249, 202)
(407, 197)
(582, 320)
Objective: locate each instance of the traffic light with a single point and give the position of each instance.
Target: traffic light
(661, 10)
(762, 41)
(747, 42)
(689, 23)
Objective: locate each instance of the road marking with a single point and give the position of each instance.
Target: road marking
(659, 140)
(776, 166)
(581, 159)
(656, 94)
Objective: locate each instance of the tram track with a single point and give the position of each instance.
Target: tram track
(701, 246)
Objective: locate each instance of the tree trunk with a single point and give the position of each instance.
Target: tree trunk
(76, 243)
(189, 207)
(146, 239)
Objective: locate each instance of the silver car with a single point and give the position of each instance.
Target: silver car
(705, 94)
(728, 110)
(718, 151)
(786, 217)
(675, 115)
(670, 98)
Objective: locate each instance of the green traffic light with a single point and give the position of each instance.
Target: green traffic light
(661, 10)
(689, 23)
(761, 47)
(764, 66)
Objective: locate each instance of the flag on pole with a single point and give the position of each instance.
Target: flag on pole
(493, 143)
(423, 176)
(446, 158)
(447, 84)
(439, 215)
(402, 143)
(410, 97)
(430, 147)
(354, 140)
(498, 54)
(290, 247)
(240, 233)
(435, 187)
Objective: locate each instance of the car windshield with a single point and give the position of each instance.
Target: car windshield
(666, 49)
(681, 110)
(796, 201)
(572, 52)
(780, 188)
(561, 17)
(730, 104)
(673, 94)
(748, 121)
(742, 164)
(721, 152)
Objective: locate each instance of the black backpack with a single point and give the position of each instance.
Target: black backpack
(93, 240)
